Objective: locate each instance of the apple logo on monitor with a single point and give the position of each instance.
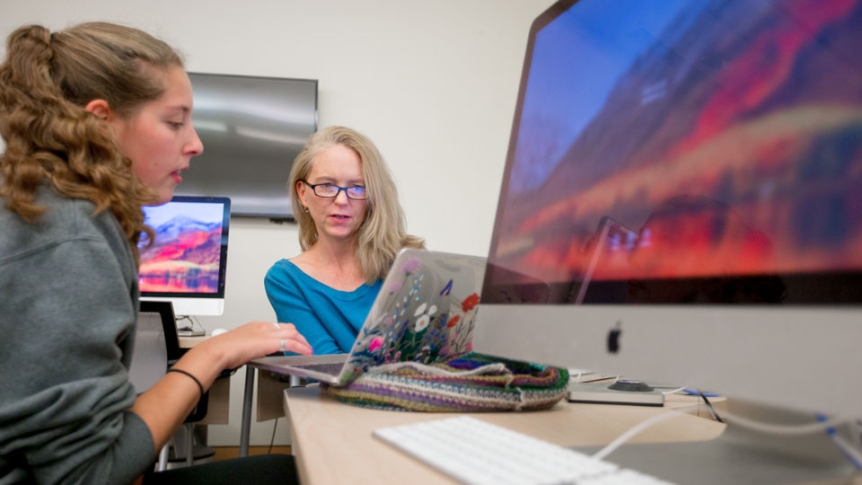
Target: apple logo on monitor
(614, 337)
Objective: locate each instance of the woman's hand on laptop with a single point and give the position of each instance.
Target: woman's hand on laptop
(169, 401)
(257, 339)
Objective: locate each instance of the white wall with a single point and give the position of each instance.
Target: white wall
(433, 83)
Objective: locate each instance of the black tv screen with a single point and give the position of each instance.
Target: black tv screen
(252, 128)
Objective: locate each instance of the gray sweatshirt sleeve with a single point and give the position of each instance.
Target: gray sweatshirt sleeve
(67, 316)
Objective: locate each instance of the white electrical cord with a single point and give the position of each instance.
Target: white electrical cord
(674, 391)
(621, 439)
(786, 429)
(779, 429)
(852, 453)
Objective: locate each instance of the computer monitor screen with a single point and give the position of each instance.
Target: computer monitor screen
(681, 198)
(187, 262)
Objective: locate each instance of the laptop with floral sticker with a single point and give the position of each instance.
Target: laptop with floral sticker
(425, 311)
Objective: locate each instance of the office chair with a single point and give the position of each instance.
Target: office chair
(157, 348)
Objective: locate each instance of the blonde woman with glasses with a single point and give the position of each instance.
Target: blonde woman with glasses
(351, 227)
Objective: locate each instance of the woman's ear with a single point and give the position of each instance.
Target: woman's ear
(100, 108)
(300, 191)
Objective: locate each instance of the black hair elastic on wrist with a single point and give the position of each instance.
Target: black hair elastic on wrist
(200, 386)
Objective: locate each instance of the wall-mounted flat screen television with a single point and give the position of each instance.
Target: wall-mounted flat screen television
(252, 128)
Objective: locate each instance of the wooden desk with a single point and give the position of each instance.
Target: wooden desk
(333, 443)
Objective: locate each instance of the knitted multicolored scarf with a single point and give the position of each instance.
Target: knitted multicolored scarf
(469, 382)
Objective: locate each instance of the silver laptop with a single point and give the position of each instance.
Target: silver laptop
(425, 311)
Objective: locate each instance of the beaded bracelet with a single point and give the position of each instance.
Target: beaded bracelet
(200, 386)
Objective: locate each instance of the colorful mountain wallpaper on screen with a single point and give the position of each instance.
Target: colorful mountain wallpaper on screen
(185, 256)
(726, 140)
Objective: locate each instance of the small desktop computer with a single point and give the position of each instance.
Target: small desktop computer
(186, 262)
(681, 204)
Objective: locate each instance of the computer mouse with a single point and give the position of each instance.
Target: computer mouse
(218, 331)
(630, 386)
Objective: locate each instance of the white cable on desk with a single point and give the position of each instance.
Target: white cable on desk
(768, 428)
(853, 454)
(786, 429)
(674, 391)
(613, 445)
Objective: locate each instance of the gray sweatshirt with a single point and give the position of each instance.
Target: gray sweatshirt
(68, 306)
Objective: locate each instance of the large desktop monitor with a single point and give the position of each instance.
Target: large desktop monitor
(682, 199)
(187, 261)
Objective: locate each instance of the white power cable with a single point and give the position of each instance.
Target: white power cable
(853, 453)
(621, 439)
(786, 429)
(674, 391)
(769, 428)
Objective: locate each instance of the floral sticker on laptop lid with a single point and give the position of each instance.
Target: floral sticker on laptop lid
(423, 321)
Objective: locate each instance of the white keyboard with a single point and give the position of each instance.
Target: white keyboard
(478, 453)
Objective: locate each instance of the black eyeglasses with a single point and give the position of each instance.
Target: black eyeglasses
(330, 191)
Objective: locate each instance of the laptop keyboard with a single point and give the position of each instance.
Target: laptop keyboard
(333, 368)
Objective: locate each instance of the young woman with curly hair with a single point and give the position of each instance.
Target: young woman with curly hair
(96, 123)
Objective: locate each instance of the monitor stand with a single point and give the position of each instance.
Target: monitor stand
(742, 456)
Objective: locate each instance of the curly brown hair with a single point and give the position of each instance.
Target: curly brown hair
(46, 81)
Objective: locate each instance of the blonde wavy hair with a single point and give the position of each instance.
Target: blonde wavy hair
(45, 82)
(383, 231)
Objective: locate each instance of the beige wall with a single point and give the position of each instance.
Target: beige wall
(433, 83)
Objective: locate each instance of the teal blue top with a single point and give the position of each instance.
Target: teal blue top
(328, 318)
